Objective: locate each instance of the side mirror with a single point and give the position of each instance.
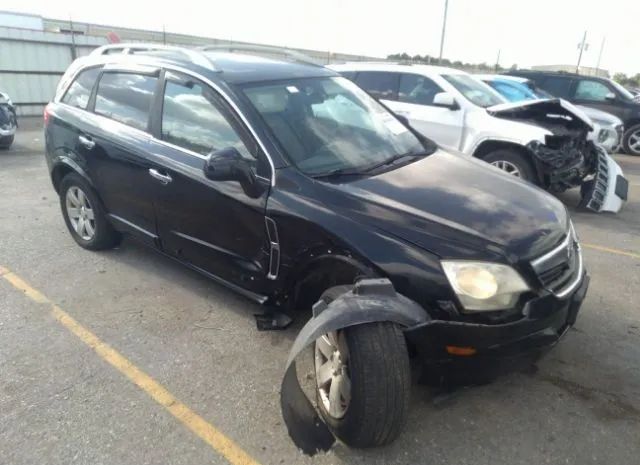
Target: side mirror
(610, 96)
(446, 100)
(227, 165)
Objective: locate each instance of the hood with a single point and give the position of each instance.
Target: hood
(600, 116)
(552, 110)
(459, 207)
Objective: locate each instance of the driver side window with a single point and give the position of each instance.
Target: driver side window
(417, 89)
(192, 119)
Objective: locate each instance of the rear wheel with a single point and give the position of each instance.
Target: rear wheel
(84, 215)
(631, 140)
(513, 163)
(363, 382)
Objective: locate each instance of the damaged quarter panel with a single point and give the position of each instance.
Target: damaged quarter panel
(566, 155)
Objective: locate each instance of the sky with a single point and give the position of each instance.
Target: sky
(525, 33)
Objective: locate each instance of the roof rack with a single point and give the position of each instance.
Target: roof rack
(168, 51)
(293, 55)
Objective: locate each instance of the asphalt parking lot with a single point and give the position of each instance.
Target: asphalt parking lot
(125, 357)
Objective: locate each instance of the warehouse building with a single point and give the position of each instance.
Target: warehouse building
(35, 51)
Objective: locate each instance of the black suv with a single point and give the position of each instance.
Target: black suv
(601, 93)
(292, 186)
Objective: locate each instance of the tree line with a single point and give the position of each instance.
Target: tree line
(429, 60)
(627, 81)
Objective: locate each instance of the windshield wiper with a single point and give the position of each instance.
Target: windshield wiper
(339, 172)
(392, 160)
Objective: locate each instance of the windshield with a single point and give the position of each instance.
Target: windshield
(628, 95)
(329, 124)
(475, 91)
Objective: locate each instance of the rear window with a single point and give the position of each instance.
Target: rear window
(126, 97)
(380, 85)
(557, 86)
(80, 89)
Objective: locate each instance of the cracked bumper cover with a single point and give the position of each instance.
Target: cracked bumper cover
(546, 321)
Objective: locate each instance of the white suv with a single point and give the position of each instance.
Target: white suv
(546, 142)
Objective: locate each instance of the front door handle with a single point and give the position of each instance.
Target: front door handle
(163, 178)
(86, 142)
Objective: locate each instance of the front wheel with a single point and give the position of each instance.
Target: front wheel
(631, 140)
(363, 383)
(513, 163)
(6, 141)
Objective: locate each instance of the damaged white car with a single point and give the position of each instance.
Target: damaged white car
(547, 142)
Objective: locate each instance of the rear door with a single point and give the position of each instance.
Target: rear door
(215, 226)
(117, 143)
(415, 101)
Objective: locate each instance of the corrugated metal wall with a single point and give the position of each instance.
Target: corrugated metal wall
(31, 63)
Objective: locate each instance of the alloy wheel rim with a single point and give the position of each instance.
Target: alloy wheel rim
(634, 141)
(333, 380)
(80, 213)
(507, 167)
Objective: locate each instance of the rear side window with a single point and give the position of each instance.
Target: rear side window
(192, 120)
(380, 85)
(126, 97)
(80, 89)
(557, 86)
(417, 89)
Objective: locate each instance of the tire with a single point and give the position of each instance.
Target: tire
(631, 140)
(514, 160)
(99, 235)
(380, 383)
(6, 142)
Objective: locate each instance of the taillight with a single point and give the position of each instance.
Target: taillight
(46, 115)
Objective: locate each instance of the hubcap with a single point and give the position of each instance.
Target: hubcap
(80, 213)
(507, 166)
(332, 373)
(634, 142)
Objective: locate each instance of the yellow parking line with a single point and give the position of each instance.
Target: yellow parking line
(198, 425)
(610, 250)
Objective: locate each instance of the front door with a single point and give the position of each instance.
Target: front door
(215, 226)
(415, 102)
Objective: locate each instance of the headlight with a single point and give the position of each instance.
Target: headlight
(484, 286)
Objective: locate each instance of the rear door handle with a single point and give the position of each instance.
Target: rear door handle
(163, 178)
(86, 142)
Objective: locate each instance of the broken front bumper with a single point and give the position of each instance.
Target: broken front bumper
(546, 321)
(608, 190)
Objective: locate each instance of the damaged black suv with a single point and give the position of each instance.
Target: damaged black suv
(289, 184)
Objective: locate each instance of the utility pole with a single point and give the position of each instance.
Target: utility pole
(74, 53)
(498, 61)
(582, 46)
(164, 35)
(444, 28)
(600, 54)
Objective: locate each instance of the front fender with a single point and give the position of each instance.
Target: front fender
(372, 300)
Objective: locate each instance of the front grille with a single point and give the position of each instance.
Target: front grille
(560, 270)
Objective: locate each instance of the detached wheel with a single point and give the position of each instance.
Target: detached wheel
(512, 162)
(363, 383)
(631, 140)
(84, 215)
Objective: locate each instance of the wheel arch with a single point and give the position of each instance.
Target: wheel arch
(487, 146)
(62, 167)
(321, 270)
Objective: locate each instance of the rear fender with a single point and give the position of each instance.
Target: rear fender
(372, 300)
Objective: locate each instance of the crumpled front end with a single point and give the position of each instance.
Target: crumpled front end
(564, 161)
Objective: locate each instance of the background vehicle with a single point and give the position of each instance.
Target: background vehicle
(601, 93)
(608, 128)
(287, 182)
(526, 139)
(8, 121)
